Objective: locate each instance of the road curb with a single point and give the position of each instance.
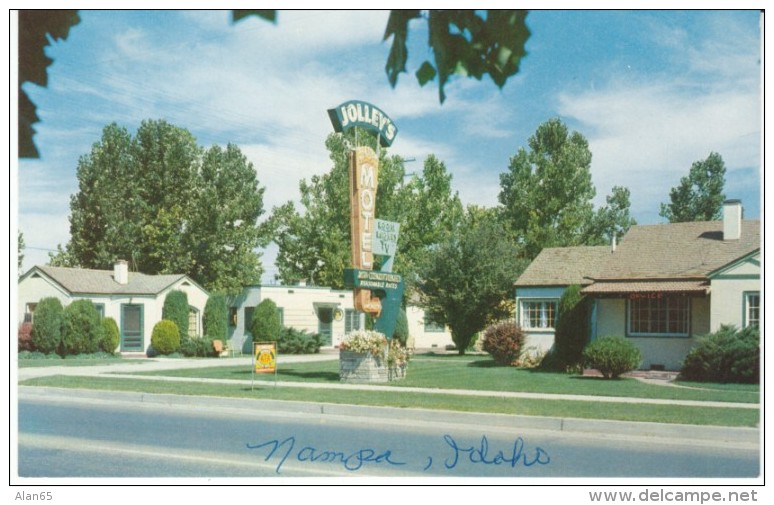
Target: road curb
(715, 434)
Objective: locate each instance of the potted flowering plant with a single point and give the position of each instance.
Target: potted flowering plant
(365, 341)
(362, 357)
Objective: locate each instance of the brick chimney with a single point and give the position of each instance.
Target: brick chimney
(121, 272)
(732, 219)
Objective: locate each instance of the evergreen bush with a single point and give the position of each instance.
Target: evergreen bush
(293, 341)
(401, 328)
(215, 318)
(504, 341)
(196, 347)
(165, 338)
(612, 356)
(47, 325)
(176, 309)
(81, 328)
(572, 328)
(266, 326)
(728, 355)
(110, 335)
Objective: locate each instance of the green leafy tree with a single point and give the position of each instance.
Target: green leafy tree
(546, 194)
(176, 309)
(612, 220)
(699, 196)
(81, 328)
(215, 318)
(465, 43)
(222, 234)
(467, 280)
(166, 205)
(47, 325)
(316, 244)
(266, 325)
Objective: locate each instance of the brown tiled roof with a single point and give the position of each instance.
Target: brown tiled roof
(677, 251)
(101, 282)
(563, 266)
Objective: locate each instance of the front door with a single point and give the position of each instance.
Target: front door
(325, 324)
(131, 328)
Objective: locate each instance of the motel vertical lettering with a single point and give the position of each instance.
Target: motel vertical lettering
(363, 176)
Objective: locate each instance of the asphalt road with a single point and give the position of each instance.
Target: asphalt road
(123, 437)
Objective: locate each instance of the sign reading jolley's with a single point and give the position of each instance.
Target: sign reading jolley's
(363, 114)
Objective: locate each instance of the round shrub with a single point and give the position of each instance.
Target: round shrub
(25, 338)
(215, 318)
(176, 309)
(81, 328)
(504, 342)
(47, 325)
(266, 324)
(110, 335)
(728, 355)
(165, 338)
(612, 356)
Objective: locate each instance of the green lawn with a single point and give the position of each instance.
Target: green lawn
(443, 372)
(515, 406)
(480, 373)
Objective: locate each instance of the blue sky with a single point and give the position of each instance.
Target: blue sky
(652, 91)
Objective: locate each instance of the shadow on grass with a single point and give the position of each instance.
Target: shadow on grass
(318, 375)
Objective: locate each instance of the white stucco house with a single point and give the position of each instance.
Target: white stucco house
(323, 310)
(424, 333)
(318, 309)
(666, 284)
(135, 300)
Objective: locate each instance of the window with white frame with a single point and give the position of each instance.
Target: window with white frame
(193, 322)
(29, 310)
(752, 310)
(351, 320)
(538, 314)
(659, 315)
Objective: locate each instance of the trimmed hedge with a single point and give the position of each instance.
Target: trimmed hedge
(215, 318)
(81, 328)
(110, 335)
(165, 338)
(176, 309)
(47, 325)
(266, 325)
(572, 327)
(612, 356)
(504, 341)
(728, 355)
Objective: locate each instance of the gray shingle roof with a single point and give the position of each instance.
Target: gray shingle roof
(678, 251)
(101, 282)
(564, 266)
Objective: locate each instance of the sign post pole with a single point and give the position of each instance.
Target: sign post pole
(378, 293)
